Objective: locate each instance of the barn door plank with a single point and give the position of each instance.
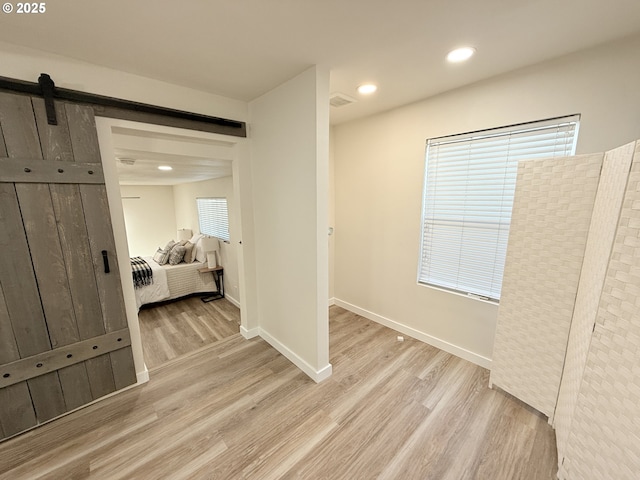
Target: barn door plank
(47, 396)
(21, 141)
(17, 279)
(19, 301)
(18, 127)
(17, 413)
(68, 209)
(55, 294)
(109, 285)
(55, 141)
(48, 263)
(3, 147)
(8, 347)
(84, 140)
(46, 258)
(56, 146)
(43, 398)
(77, 251)
(17, 399)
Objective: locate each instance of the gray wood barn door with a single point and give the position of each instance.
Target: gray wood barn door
(64, 340)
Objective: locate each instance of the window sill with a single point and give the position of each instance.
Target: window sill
(471, 296)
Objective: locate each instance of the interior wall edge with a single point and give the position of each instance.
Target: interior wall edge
(105, 141)
(317, 375)
(249, 333)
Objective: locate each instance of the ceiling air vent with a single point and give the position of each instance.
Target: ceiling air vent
(340, 100)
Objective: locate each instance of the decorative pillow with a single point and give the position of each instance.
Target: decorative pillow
(189, 253)
(200, 255)
(182, 243)
(196, 237)
(161, 256)
(169, 245)
(176, 255)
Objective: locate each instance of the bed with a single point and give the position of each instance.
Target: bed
(174, 281)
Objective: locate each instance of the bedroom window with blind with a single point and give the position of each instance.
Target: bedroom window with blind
(468, 194)
(213, 217)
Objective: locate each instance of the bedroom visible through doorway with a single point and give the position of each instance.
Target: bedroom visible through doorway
(158, 208)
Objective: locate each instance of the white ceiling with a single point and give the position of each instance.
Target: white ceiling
(243, 48)
(138, 154)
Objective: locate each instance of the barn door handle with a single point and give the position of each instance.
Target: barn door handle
(105, 259)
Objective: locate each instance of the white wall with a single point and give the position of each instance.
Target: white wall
(289, 159)
(149, 216)
(27, 64)
(187, 217)
(379, 164)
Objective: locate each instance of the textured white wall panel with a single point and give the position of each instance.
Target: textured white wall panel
(550, 223)
(604, 221)
(604, 438)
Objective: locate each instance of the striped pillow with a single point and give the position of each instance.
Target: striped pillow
(176, 255)
(161, 256)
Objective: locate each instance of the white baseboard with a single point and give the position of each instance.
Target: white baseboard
(143, 376)
(254, 332)
(332, 301)
(418, 335)
(315, 375)
(232, 300)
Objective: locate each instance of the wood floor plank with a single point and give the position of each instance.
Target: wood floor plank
(176, 328)
(351, 447)
(237, 409)
(274, 462)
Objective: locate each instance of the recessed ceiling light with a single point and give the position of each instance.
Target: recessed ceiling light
(367, 89)
(165, 167)
(460, 54)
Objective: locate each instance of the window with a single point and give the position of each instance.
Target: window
(468, 194)
(213, 217)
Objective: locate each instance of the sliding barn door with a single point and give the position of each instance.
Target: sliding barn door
(64, 340)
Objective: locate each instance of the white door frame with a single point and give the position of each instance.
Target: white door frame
(240, 149)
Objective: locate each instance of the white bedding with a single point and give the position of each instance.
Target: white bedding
(174, 281)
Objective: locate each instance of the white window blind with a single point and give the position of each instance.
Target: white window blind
(468, 196)
(213, 217)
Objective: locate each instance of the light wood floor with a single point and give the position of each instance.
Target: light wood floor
(239, 410)
(172, 329)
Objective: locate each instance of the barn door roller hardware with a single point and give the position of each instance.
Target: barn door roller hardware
(47, 86)
(122, 109)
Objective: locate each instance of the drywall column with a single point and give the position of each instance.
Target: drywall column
(551, 215)
(289, 131)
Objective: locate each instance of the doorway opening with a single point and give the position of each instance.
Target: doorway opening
(151, 207)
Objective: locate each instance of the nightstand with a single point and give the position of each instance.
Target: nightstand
(218, 277)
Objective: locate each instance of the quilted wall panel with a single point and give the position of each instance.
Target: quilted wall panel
(604, 221)
(551, 216)
(604, 439)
